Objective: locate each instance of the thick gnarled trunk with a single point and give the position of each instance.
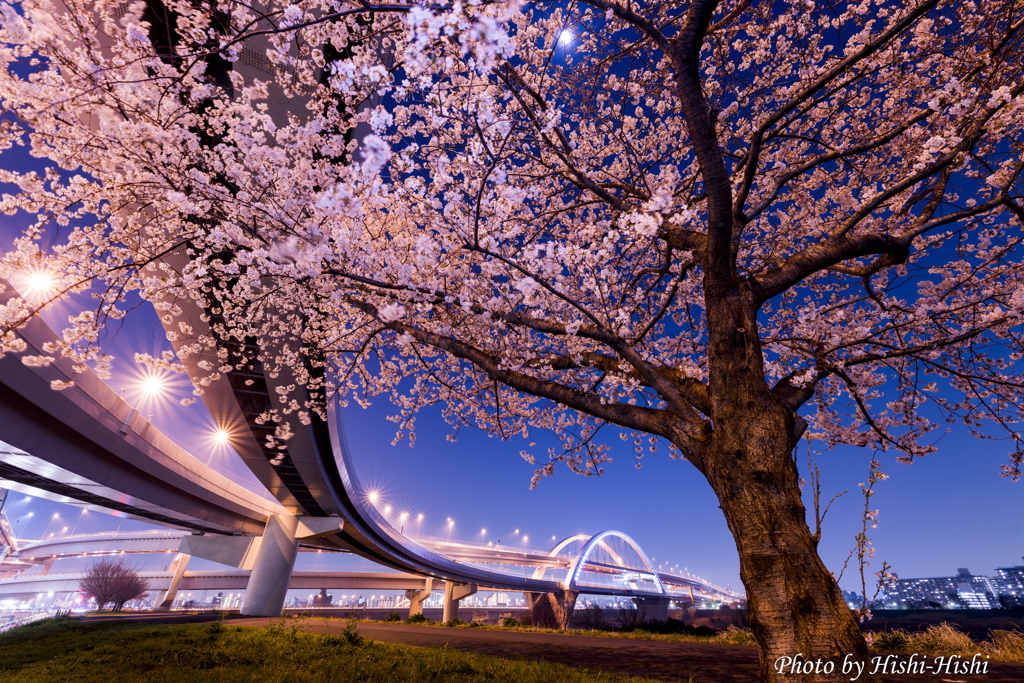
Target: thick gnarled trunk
(795, 606)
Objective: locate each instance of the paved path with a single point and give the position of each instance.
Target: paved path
(661, 660)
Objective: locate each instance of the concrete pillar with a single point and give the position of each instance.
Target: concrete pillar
(453, 592)
(47, 566)
(653, 608)
(552, 610)
(268, 583)
(417, 598)
(177, 568)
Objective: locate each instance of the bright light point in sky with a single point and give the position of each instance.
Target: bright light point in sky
(373, 497)
(565, 37)
(152, 385)
(220, 436)
(39, 282)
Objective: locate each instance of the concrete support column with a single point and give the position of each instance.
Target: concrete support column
(552, 610)
(453, 592)
(417, 598)
(178, 568)
(47, 566)
(652, 609)
(268, 583)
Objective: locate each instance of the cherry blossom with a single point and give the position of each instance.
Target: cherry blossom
(727, 225)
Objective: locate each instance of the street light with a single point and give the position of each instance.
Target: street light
(25, 525)
(55, 516)
(81, 514)
(40, 282)
(404, 516)
(450, 524)
(152, 385)
(419, 520)
(483, 532)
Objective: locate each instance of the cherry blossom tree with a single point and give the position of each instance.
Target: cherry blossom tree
(717, 225)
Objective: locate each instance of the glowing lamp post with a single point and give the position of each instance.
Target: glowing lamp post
(27, 519)
(55, 516)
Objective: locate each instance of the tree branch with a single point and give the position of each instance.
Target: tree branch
(701, 127)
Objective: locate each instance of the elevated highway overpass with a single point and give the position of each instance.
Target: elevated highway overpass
(87, 446)
(21, 586)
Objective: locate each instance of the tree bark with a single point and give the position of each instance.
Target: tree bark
(795, 605)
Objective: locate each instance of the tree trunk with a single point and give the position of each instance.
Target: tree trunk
(795, 605)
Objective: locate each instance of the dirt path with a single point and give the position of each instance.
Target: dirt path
(665, 661)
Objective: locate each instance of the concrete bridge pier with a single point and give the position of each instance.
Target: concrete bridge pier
(268, 583)
(654, 608)
(453, 592)
(552, 610)
(416, 598)
(178, 565)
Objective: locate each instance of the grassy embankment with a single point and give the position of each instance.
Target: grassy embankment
(938, 640)
(52, 651)
(676, 632)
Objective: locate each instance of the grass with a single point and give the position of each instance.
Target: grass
(943, 639)
(946, 639)
(57, 650)
(729, 636)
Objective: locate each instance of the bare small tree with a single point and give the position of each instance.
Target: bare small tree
(115, 581)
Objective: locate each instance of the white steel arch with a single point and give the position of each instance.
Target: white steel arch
(598, 540)
(538, 573)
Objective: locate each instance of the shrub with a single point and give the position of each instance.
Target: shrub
(351, 634)
(453, 623)
(630, 619)
(417, 619)
(589, 619)
(944, 638)
(393, 617)
(510, 622)
(1007, 645)
(733, 634)
(894, 642)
